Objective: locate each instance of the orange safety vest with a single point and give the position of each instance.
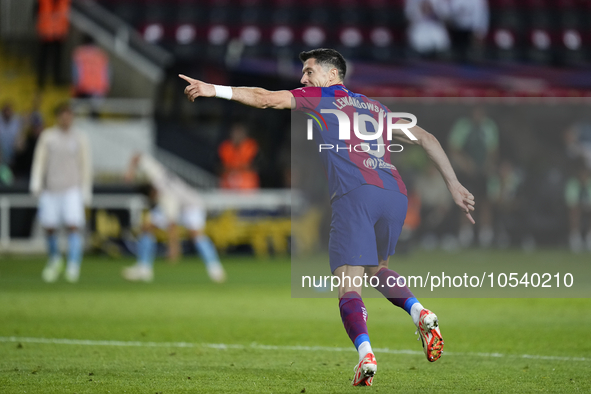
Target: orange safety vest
(240, 180)
(92, 71)
(53, 19)
(237, 160)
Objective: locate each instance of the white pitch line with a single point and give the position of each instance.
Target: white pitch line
(256, 346)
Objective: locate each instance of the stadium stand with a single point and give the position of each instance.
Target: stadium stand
(531, 31)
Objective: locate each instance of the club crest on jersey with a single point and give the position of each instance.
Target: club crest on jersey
(371, 163)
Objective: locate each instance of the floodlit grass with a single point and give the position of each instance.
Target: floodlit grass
(491, 345)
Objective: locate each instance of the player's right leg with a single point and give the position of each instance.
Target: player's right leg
(49, 218)
(143, 270)
(354, 317)
(55, 264)
(352, 248)
(193, 218)
(209, 255)
(75, 250)
(72, 207)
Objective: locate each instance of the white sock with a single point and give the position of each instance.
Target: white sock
(415, 313)
(363, 349)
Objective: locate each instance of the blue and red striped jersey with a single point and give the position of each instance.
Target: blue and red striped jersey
(350, 162)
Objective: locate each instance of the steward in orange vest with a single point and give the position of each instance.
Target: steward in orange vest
(237, 155)
(91, 71)
(53, 19)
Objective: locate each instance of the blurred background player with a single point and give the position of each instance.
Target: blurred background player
(176, 203)
(577, 195)
(62, 179)
(10, 131)
(473, 144)
(506, 195)
(33, 125)
(436, 210)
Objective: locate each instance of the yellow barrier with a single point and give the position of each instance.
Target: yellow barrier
(264, 234)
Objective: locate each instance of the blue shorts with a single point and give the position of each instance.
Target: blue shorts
(366, 224)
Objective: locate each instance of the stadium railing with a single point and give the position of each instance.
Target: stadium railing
(216, 202)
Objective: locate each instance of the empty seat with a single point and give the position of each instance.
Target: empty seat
(574, 48)
(540, 46)
(504, 45)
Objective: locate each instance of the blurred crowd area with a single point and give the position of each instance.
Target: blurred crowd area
(528, 165)
(537, 31)
(527, 162)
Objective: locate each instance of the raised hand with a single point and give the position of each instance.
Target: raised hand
(197, 88)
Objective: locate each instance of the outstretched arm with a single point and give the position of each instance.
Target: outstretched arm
(462, 197)
(253, 97)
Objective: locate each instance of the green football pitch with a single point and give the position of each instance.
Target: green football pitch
(184, 334)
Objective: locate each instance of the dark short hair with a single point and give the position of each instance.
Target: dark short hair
(61, 108)
(327, 57)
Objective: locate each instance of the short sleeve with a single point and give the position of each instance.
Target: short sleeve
(307, 97)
